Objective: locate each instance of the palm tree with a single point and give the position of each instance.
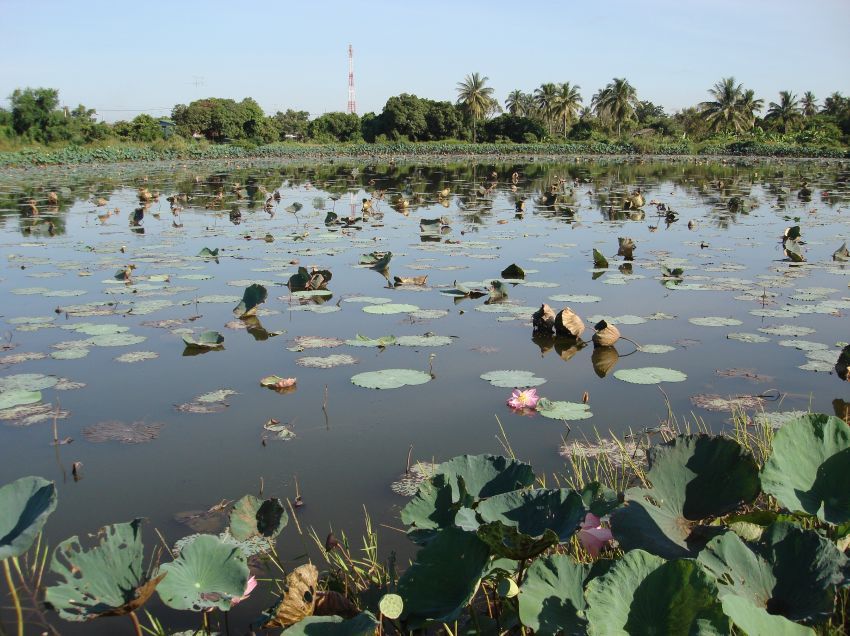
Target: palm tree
(787, 111)
(513, 103)
(726, 110)
(475, 97)
(834, 104)
(809, 103)
(749, 106)
(616, 102)
(544, 99)
(566, 104)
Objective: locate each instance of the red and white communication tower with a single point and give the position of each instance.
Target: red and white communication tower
(352, 105)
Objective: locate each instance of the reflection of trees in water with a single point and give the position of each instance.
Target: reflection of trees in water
(602, 182)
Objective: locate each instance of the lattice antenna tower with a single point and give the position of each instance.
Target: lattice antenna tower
(352, 104)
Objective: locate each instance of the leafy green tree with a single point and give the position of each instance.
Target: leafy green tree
(749, 106)
(335, 127)
(616, 102)
(513, 127)
(292, 124)
(145, 128)
(835, 104)
(404, 116)
(544, 100)
(520, 104)
(443, 120)
(724, 112)
(809, 104)
(33, 110)
(647, 111)
(476, 98)
(786, 112)
(566, 105)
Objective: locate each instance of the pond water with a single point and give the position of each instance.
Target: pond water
(66, 315)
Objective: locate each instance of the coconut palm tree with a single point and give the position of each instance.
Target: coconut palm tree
(544, 99)
(514, 102)
(726, 111)
(749, 106)
(616, 102)
(786, 112)
(566, 104)
(834, 104)
(476, 98)
(809, 104)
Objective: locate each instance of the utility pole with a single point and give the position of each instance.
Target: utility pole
(352, 105)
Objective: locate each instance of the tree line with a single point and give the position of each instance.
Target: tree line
(550, 112)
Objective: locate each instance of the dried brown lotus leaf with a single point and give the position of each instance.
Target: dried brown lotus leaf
(568, 323)
(606, 334)
(299, 600)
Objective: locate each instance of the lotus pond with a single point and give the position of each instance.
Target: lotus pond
(178, 335)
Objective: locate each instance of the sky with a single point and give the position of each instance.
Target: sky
(123, 58)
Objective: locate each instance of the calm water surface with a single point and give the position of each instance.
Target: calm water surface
(60, 265)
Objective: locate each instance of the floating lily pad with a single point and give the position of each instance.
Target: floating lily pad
(650, 375)
(567, 411)
(655, 348)
(390, 308)
(253, 517)
(115, 340)
(363, 341)
(715, 321)
(390, 378)
(70, 354)
(367, 300)
(326, 362)
(627, 319)
(97, 329)
(575, 298)
(205, 340)
(747, 337)
(27, 381)
(219, 395)
(18, 397)
(427, 340)
(315, 342)
(137, 356)
(512, 379)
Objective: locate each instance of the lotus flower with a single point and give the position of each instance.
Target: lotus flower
(284, 383)
(592, 535)
(215, 596)
(523, 399)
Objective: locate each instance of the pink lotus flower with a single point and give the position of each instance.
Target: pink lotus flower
(252, 583)
(592, 535)
(523, 399)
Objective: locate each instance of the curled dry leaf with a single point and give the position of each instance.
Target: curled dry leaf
(606, 335)
(568, 323)
(299, 600)
(334, 604)
(543, 320)
(277, 382)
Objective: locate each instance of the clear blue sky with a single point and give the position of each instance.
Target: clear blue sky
(124, 57)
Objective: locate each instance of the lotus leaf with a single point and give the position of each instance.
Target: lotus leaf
(599, 259)
(480, 476)
(714, 321)
(575, 298)
(512, 379)
(809, 467)
(27, 382)
(364, 624)
(551, 599)
(431, 506)
(391, 606)
(208, 253)
(563, 410)
(108, 580)
(209, 573)
(18, 397)
(755, 620)
(522, 524)
(650, 375)
(390, 308)
(377, 260)
(642, 595)
(693, 477)
(93, 329)
(326, 362)
(205, 340)
(390, 378)
(427, 340)
(299, 599)
(137, 356)
(789, 572)
(443, 578)
(25, 505)
(114, 340)
(599, 500)
(367, 300)
(254, 296)
(656, 348)
(253, 517)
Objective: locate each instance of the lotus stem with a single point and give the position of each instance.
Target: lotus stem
(136, 624)
(19, 614)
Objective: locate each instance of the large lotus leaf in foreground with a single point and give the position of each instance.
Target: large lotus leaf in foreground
(253, 517)
(809, 467)
(443, 578)
(108, 580)
(485, 475)
(208, 574)
(431, 507)
(551, 599)
(642, 594)
(693, 478)
(522, 524)
(364, 624)
(790, 572)
(25, 505)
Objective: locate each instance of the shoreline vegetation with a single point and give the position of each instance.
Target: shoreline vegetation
(183, 151)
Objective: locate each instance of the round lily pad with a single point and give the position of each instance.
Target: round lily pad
(137, 356)
(747, 337)
(115, 340)
(326, 362)
(656, 348)
(787, 330)
(650, 375)
(714, 321)
(390, 308)
(368, 300)
(512, 379)
(575, 298)
(18, 397)
(28, 382)
(563, 410)
(390, 378)
(423, 341)
(627, 319)
(70, 354)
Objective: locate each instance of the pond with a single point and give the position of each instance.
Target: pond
(98, 298)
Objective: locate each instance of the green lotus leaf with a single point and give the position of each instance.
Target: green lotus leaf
(714, 321)
(809, 467)
(443, 578)
(27, 382)
(599, 500)
(114, 340)
(513, 379)
(25, 505)
(209, 573)
(367, 300)
(390, 378)
(18, 397)
(427, 340)
(205, 340)
(363, 341)
(432, 506)
(575, 298)
(757, 620)
(642, 595)
(522, 524)
(599, 259)
(752, 338)
(480, 476)
(107, 580)
(551, 599)
(253, 517)
(377, 260)
(656, 348)
(789, 572)
(254, 296)
(563, 410)
(390, 308)
(208, 253)
(693, 478)
(364, 624)
(96, 329)
(650, 375)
